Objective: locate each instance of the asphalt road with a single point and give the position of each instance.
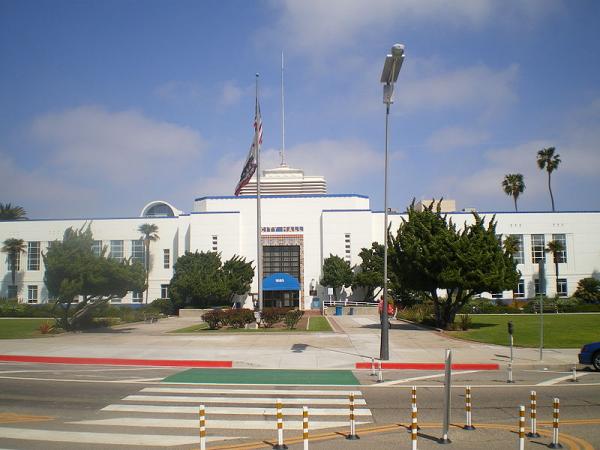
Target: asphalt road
(94, 407)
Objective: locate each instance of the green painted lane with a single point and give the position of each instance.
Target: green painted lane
(264, 376)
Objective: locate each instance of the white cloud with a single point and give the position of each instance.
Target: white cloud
(179, 91)
(450, 138)
(115, 146)
(231, 94)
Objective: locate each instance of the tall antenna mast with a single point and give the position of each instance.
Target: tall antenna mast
(282, 151)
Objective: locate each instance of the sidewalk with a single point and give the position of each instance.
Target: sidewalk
(357, 341)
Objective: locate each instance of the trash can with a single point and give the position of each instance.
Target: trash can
(351, 311)
(338, 310)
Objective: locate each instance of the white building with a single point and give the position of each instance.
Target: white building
(301, 226)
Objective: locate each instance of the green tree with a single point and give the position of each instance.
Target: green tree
(200, 279)
(149, 234)
(10, 212)
(238, 276)
(556, 248)
(74, 272)
(369, 274)
(511, 245)
(13, 248)
(513, 185)
(337, 273)
(429, 254)
(546, 159)
(588, 290)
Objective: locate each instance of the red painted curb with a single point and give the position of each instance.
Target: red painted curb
(427, 366)
(116, 361)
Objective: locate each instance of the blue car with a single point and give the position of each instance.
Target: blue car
(590, 355)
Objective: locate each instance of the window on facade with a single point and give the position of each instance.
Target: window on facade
(538, 248)
(519, 257)
(116, 250)
(12, 291)
(166, 259)
(137, 297)
(32, 293)
(497, 295)
(561, 287)
(97, 248)
(137, 251)
(520, 292)
(17, 262)
(164, 291)
(215, 243)
(539, 291)
(348, 249)
(561, 257)
(283, 258)
(33, 255)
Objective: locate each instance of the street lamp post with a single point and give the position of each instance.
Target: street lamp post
(389, 75)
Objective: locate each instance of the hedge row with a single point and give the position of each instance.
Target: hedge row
(239, 318)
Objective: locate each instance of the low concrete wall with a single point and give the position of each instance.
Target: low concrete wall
(353, 311)
(192, 313)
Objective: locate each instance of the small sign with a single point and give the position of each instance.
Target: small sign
(329, 291)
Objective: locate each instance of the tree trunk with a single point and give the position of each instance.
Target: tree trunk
(550, 189)
(515, 199)
(147, 269)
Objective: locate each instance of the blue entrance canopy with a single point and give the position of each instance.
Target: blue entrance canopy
(281, 282)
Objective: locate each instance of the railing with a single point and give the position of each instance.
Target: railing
(348, 303)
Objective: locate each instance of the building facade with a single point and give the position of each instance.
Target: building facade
(299, 230)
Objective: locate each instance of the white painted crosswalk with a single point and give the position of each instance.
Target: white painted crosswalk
(173, 411)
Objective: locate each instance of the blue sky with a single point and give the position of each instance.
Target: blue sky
(105, 106)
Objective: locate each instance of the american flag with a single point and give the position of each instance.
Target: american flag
(252, 159)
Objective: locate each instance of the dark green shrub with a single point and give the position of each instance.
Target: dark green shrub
(292, 318)
(214, 318)
(588, 290)
(164, 306)
(464, 322)
(270, 316)
(238, 318)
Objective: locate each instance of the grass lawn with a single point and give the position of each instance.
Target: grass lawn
(560, 330)
(315, 324)
(21, 328)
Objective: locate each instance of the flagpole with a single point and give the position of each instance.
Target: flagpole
(258, 223)
(282, 164)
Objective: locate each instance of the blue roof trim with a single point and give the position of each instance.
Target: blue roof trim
(90, 219)
(215, 212)
(346, 210)
(281, 282)
(233, 197)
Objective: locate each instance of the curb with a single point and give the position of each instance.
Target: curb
(427, 366)
(116, 361)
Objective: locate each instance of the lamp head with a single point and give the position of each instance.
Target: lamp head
(397, 50)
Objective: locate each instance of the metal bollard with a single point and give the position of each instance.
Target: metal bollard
(352, 436)
(469, 425)
(521, 428)
(373, 367)
(555, 413)
(533, 416)
(280, 445)
(305, 427)
(510, 374)
(413, 402)
(202, 419)
(574, 377)
(414, 428)
(380, 374)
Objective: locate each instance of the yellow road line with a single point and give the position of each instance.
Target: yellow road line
(17, 418)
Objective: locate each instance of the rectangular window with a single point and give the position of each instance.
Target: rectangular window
(116, 250)
(347, 240)
(97, 248)
(17, 262)
(164, 291)
(539, 291)
(519, 257)
(538, 248)
(561, 257)
(137, 297)
(137, 252)
(32, 293)
(281, 258)
(497, 295)
(520, 292)
(561, 287)
(215, 243)
(33, 255)
(166, 259)
(12, 291)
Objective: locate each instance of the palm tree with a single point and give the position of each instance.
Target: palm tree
(10, 212)
(149, 233)
(546, 159)
(13, 247)
(514, 185)
(556, 248)
(511, 245)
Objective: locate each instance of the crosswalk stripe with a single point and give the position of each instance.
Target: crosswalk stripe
(188, 390)
(212, 424)
(245, 400)
(232, 410)
(116, 439)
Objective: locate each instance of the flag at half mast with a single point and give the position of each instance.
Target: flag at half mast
(253, 154)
